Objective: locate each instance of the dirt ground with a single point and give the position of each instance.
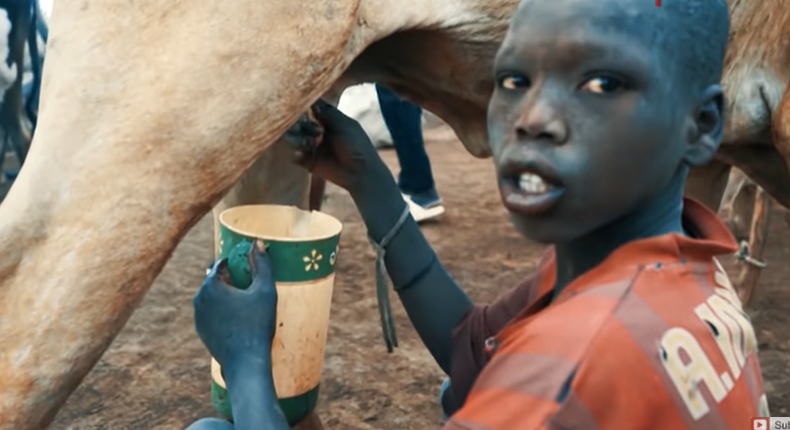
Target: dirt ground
(156, 374)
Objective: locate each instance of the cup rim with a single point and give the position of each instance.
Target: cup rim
(216, 373)
(332, 220)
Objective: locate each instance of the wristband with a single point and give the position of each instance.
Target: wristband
(418, 277)
(382, 290)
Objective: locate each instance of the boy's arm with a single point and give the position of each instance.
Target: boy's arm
(432, 299)
(513, 392)
(480, 323)
(435, 303)
(252, 397)
(238, 328)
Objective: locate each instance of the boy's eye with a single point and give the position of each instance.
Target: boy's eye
(603, 85)
(513, 82)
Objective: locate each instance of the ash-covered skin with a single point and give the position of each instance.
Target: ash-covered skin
(237, 327)
(610, 102)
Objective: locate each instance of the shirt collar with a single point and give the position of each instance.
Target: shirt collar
(714, 239)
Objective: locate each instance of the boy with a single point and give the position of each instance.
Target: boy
(599, 110)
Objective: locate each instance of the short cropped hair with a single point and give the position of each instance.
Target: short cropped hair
(697, 32)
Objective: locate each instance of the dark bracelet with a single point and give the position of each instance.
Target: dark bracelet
(418, 277)
(382, 290)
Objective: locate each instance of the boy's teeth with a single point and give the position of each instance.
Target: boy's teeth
(533, 184)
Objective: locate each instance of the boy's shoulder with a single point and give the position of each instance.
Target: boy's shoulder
(666, 307)
(645, 301)
(675, 330)
(644, 343)
(652, 304)
(649, 286)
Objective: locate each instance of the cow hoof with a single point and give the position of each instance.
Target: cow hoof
(307, 132)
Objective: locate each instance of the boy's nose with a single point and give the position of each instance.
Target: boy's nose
(541, 122)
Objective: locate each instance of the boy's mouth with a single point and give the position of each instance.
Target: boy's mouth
(529, 190)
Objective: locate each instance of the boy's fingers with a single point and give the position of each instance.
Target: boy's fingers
(327, 114)
(259, 259)
(261, 266)
(306, 160)
(213, 285)
(305, 133)
(218, 279)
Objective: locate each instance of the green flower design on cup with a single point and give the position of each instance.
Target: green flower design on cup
(312, 261)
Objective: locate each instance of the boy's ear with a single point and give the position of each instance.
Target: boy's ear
(707, 129)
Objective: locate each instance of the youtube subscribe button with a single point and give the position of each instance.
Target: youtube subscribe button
(773, 423)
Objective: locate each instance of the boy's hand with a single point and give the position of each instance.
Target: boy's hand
(235, 323)
(346, 156)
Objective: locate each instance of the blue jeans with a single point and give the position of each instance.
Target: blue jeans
(404, 121)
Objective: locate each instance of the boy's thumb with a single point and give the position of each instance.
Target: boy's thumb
(261, 265)
(326, 113)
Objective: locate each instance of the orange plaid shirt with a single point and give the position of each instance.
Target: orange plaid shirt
(653, 338)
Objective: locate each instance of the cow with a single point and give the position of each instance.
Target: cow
(22, 35)
(152, 112)
(757, 134)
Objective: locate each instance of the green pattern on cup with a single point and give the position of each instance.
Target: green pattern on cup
(295, 408)
(220, 400)
(291, 261)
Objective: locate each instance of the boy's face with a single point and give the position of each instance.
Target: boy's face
(584, 124)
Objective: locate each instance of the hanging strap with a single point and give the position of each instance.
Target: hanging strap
(382, 288)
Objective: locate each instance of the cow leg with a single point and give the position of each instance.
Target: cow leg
(752, 268)
(731, 192)
(743, 210)
(732, 203)
(150, 112)
(707, 183)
